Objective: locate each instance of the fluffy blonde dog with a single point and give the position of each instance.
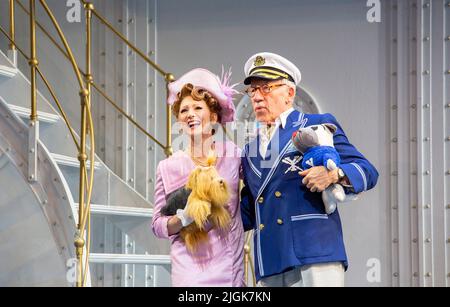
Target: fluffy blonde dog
(206, 202)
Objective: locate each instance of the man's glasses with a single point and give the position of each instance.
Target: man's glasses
(265, 89)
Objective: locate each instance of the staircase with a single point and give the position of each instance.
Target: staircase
(38, 219)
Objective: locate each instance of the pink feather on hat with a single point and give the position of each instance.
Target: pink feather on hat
(220, 88)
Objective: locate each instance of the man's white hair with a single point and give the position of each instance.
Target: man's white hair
(292, 85)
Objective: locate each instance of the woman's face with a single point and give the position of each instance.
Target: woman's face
(196, 117)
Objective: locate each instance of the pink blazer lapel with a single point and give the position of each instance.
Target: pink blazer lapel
(175, 171)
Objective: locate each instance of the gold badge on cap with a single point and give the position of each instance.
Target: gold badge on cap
(260, 61)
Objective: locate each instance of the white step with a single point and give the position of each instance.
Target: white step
(130, 259)
(121, 211)
(7, 71)
(72, 162)
(42, 116)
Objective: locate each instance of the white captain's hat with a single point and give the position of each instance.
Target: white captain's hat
(270, 66)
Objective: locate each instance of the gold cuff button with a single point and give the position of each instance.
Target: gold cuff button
(280, 222)
(277, 194)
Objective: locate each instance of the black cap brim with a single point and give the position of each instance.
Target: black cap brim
(267, 73)
(249, 79)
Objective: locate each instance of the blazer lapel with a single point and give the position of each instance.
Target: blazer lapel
(264, 168)
(269, 166)
(282, 136)
(253, 157)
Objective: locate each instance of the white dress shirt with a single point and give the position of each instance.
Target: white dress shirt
(266, 133)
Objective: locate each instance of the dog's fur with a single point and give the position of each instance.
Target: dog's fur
(206, 194)
(206, 202)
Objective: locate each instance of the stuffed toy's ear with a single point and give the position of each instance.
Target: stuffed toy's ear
(176, 200)
(330, 127)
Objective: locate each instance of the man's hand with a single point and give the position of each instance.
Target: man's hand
(318, 178)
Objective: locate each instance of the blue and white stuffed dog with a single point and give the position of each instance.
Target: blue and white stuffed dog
(316, 144)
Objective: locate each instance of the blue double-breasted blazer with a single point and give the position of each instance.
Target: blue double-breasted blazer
(290, 223)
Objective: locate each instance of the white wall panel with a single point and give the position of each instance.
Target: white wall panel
(387, 83)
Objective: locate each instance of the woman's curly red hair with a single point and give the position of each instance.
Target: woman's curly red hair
(197, 94)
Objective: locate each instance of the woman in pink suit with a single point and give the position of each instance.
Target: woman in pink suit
(199, 100)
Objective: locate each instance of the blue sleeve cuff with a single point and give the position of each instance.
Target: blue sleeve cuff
(356, 176)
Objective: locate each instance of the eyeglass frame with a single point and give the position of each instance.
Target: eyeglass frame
(270, 87)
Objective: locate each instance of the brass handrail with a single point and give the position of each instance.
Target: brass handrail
(97, 88)
(50, 89)
(66, 46)
(33, 60)
(126, 41)
(87, 218)
(120, 110)
(79, 240)
(86, 119)
(168, 77)
(86, 116)
(12, 25)
(44, 31)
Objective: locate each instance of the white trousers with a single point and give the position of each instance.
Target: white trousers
(314, 275)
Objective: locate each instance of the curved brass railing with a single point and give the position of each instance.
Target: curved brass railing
(87, 127)
(86, 183)
(12, 22)
(48, 86)
(166, 148)
(168, 77)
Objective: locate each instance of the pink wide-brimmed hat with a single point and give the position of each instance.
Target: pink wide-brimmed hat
(218, 87)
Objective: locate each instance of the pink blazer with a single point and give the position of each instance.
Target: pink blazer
(220, 263)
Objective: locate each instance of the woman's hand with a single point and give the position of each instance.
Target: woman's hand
(174, 225)
(177, 222)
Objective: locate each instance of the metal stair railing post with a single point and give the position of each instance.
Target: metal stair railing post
(88, 76)
(12, 25)
(33, 132)
(168, 151)
(12, 52)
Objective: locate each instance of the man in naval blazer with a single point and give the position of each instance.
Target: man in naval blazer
(295, 242)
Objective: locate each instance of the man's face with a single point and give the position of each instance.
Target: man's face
(269, 106)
